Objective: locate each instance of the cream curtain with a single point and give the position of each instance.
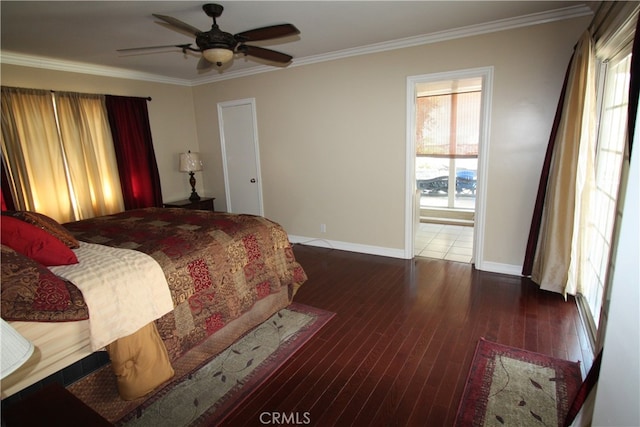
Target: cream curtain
(31, 148)
(88, 147)
(563, 238)
(64, 168)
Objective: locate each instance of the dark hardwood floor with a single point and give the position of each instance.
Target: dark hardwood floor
(398, 350)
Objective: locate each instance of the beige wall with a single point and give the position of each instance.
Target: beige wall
(171, 114)
(332, 135)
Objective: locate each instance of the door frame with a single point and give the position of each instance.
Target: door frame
(411, 201)
(225, 168)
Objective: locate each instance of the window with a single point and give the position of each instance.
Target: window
(73, 156)
(59, 154)
(447, 139)
(609, 159)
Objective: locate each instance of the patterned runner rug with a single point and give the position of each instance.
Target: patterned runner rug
(509, 386)
(210, 392)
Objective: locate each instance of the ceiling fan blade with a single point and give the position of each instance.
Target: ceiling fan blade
(268, 54)
(266, 33)
(178, 24)
(136, 49)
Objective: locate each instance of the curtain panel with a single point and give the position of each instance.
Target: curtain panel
(558, 238)
(634, 85)
(570, 179)
(33, 154)
(534, 232)
(89, 155)
(139, 176)
(5, 194)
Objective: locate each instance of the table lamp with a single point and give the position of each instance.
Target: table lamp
(190, 162)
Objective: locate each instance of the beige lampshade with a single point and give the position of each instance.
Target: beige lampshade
(16, 349)
(190, 162)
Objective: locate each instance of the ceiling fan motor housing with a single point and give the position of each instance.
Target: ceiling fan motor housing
(216, 39)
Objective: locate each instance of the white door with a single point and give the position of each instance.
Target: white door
(240, 156)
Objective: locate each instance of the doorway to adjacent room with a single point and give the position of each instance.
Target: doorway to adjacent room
(448, 121)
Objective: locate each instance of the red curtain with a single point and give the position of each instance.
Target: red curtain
(5, 194)
(634, 85)
(137, 167)
(536, 221)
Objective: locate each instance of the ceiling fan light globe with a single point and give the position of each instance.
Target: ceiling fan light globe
(218, 56)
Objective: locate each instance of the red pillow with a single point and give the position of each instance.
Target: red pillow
(35, 243)
(48, 224)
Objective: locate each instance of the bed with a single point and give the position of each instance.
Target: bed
(218, 271)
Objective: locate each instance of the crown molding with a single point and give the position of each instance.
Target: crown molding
(469, 31)
(12, 58)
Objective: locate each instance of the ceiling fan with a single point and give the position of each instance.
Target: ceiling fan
(219, 47)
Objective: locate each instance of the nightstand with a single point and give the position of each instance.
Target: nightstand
(205, 203)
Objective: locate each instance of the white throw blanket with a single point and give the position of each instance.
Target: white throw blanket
(123, 289)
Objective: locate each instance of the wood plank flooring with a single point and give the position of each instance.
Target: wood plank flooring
(398, 350)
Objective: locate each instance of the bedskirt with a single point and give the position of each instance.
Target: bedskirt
(101, 390)
(61, 344)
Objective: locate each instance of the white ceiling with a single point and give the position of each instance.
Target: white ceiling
(84, 35)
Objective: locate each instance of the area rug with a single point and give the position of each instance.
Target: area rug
(510, 386)
(209, 393)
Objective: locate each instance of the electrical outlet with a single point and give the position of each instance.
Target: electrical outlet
(323, 228)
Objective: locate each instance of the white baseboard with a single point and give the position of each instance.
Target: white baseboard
(346, 246)
(493, 267)
(496, 267)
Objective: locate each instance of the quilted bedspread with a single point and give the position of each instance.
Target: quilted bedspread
(217, 265)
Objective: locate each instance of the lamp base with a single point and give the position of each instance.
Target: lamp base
(192, 180)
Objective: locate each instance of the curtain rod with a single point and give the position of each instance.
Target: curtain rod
(596, 16)
(148, 98)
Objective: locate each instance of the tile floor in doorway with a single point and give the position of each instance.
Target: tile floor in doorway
(450, 242)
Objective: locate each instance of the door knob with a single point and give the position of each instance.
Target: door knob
(253, 180)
